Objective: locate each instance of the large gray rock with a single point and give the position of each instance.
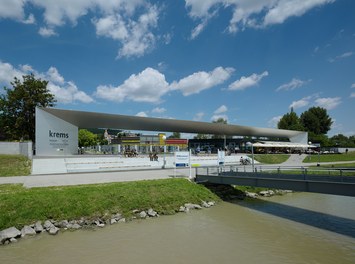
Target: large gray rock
(211, 203)
(98, 223)
(53, 230)
(152, 213)
(27, 231)
(74, 226)
(117, 216)
(11, 232)
(63, 224)
(13, 240)
(48, 225)
(143, 214)
(192, 206)
(182, 209)
(38, 227)
(122, 220)
(267, 193)
(205, 204)
(251, 195)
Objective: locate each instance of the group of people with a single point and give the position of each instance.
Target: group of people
(153, 156)
(130, 153)
(244, 161)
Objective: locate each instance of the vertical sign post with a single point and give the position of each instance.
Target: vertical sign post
(221, 157)
(182, 159)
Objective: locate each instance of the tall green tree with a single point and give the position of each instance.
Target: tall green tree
(175, 135)
(87, 138)
(316, 120)
(341, 140)
(290, 121)
(17, 106)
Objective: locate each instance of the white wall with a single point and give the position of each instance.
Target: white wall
(54, 136)
(16, 148)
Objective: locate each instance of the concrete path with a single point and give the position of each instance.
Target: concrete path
(95, 177)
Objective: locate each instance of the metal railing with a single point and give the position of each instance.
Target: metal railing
(281, 172)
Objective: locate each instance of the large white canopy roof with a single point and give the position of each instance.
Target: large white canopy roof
(274, 144)
(101, 120)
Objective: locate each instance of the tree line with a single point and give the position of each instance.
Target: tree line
(317, 123)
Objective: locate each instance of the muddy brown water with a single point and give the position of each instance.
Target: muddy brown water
(294, 228)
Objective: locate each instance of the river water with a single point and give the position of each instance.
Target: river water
(294, 228)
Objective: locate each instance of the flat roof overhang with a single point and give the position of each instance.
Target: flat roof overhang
(84, 119)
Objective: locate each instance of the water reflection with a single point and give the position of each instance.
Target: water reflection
(322, 220)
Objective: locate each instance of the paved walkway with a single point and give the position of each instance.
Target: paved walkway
(95, 177)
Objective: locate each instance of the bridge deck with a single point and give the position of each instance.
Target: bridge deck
(303, 180)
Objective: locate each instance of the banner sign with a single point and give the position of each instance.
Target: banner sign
(182, 158)
(221, 156)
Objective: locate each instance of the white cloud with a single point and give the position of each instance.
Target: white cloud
(220, 113)
(198, 116)
(221, 109)
(274, 121)
(199, 81)
(284, 9)
(352, 95)
(55, 76)
(293, 84)
(46, 32)
(148, 86)
(8, 73)
(353, 85)
(246, 82)
(198, 29)
(342, 56)
(130, 22)
(159, 110)
(12, 9)
(135, 36)
(142, 114)
(301, 103)
(328, 103)
(68, 93)
(255, 14)
(64, 91)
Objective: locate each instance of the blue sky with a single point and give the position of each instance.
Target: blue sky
(246, 61)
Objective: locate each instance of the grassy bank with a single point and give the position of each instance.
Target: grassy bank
(14, 165)
(20, 206)
(271, 158)
(331, 157)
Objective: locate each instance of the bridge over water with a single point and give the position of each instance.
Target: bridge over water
(327, 181)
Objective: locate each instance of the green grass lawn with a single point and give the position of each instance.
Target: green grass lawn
(271, 158)
(14, 165)
(20, 206)
(330, 157)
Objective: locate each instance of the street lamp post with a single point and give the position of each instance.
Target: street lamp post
(309, 152)
(164, 149)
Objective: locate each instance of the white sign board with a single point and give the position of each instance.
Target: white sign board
(221, 157)
(182, 159)
(54, 136)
